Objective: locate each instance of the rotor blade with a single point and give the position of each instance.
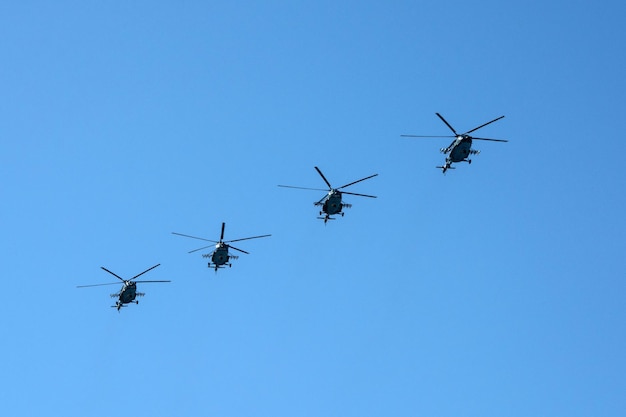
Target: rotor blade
(302, 188)
(476, 128)
(324, 178)
(196, 250)
(97, 285)
(194, 237)
(113, 273)
(354, 182)
(447, 124)
(149, 269)
(246, 238)
(152, 281)
(232, 247)
(422, 136)
(362, 195)
(222, 234)
(493, 140)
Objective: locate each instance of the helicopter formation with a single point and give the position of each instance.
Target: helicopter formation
(219, 258)
(330, 204)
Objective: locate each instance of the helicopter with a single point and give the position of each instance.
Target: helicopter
(461, 146)
(332, 203)
(128, 293)
(220, 256)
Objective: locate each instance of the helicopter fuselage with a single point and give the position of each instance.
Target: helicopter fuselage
(332, 204)
(128, 293)
(220, 255)
(460, 149)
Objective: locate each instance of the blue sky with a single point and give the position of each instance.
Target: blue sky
(494, 290)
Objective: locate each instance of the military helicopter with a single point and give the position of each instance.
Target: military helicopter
(220, 256)
(128, 293)
(461, 146)
(332, 203)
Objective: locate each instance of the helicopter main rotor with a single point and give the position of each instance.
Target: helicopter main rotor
(221, 241)
(330, 187)
(125, 281)
(462, 135)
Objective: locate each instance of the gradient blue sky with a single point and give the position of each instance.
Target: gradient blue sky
(495, 290)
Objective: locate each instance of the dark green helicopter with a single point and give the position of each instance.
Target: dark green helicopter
(332, 203)
(220, 256)
(461, 147)
(128, 293)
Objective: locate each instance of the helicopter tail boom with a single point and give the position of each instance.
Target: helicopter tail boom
(445, 168)
(326, 218)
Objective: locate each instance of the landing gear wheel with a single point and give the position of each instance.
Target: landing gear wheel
(470, 161)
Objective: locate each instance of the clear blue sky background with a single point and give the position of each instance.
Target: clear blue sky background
(495, 290)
